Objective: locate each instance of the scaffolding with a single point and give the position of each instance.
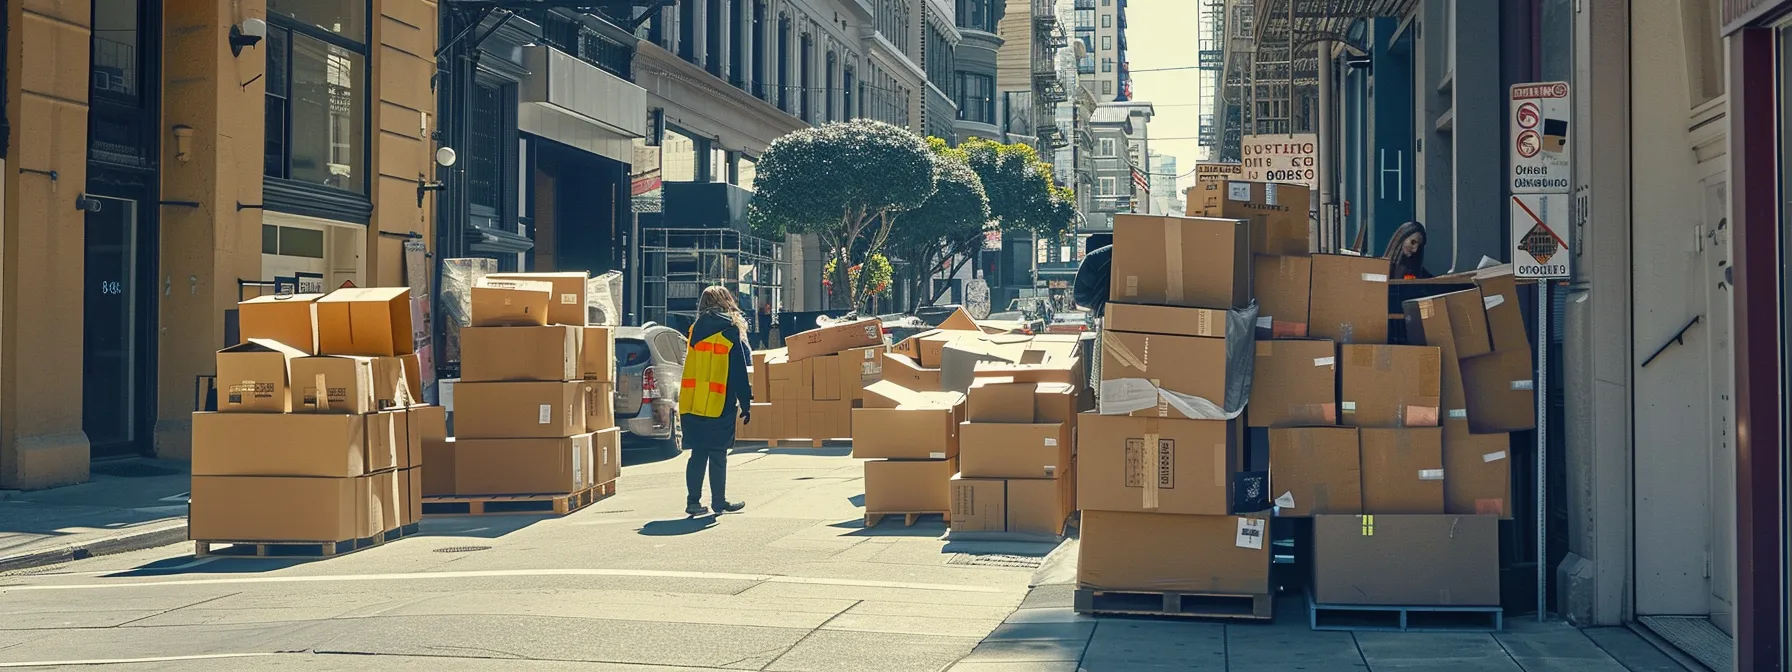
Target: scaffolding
(677, 263)
(1282, 65)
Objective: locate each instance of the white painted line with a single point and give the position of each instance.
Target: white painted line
(126, 661)
(417, 576)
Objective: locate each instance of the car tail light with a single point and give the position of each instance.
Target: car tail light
(650, 386)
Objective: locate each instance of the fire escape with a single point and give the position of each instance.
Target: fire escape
(1281, 67)
(1048, 39)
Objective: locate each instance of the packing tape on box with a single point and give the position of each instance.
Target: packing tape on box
(1425, 309)
(1155, 468)
(322, 394)
(1384, 358)
(1431, 474)
(1494, 456)
(1488, 302)
(1173, 261)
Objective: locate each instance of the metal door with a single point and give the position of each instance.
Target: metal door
(111, 383)
(1716, 252)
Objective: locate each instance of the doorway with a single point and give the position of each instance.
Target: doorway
(115, 382)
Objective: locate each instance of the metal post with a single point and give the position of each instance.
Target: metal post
(1541, 387)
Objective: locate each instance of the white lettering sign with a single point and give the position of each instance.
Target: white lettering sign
(1539, 118)
(1214, 172)
(1292, 159)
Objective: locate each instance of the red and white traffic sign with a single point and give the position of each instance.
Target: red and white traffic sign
(1539, 236)
(1539, 159)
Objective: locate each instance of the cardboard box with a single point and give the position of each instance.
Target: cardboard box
(287, 444)
(905, 433)
(1403, 470)
(1181, 261)
(1278, 212)
(889, 394)
(382, 440)
(347, 385)
(252, 377)
(289, 319)
(1349, 301)
(1001, 400)
(959, 359)
(410, 491)
(1136, 367)
(990, 450)
(1067, 371)
(1500, 392)
(606, 452)
(413, 377)
(389, 385)
(931, 346)
(1315, 470)
(404, 456)
(979, 504)
(829, 340)
(906, 372)
(510, 303)
(267, 508)
(1389, 386)
(1169, 320)
(597, 353)
(1294, 384)
(600, 406)
(1456, 319)
(519, 410)
(522, 466)
(495, 354)
(1283, 286)
(1191, 465)
(859, 367)
(1477, 471)
(1056, 402)
(1505, 319)
(1037, 506)
(909, 486)
(428, 431)
(959, 320)
(824, 377)
(1167, 553)
(1442, 560)
(566, 304)
(388, 500)
(438, 468)
(371, 321)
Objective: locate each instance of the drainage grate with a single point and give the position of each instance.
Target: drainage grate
(132, 469)
(462, 549)
(997, 560)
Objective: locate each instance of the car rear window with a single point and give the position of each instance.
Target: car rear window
(630, 352)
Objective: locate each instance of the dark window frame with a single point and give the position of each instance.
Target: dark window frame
(846, 93)
(283, 194)
(784, 28)
(712, 37)
(833, 68)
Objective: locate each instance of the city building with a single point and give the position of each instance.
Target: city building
(1027, 80)
(1109, 73)
(974, 68)
(1165, 199)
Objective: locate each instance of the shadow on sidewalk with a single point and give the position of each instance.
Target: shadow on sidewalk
(677, 526)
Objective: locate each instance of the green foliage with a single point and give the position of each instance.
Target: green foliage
(951, 222)
(875, 283)
(1020, 189)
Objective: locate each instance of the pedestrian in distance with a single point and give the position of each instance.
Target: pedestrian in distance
(1406, 253)
(715, 390)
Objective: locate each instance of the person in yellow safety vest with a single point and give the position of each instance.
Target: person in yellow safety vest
(715, 389)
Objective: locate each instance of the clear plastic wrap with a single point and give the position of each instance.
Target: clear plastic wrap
(458, 278)
(1126, 395)
(603, 300)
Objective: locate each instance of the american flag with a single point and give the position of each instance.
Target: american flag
(1138, 178)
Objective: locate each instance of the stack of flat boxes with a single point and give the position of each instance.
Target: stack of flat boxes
(318, 436)
(1155, 483)
(910, 443)
(534, 412)
(807, 390)
(1016, 458)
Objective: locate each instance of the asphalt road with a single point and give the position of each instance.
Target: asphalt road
(793, 583)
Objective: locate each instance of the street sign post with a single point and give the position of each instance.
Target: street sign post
(1539, 157)
(1539, 236)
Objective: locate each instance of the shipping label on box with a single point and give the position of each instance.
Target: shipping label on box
(1349, 299)
(1389, 386)
(1181, 261)
(1315, 470)
(979, 504)
(253, 377)
(1403, 470)
(1294, 384)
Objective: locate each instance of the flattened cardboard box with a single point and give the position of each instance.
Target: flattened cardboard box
(831, 339)
(371, 322)
(1173, 553)
(1294, 384)
(1187, 470)
(498, 354)
(1403, 470)
(909, 486)
(519, 410)
(1315, 470)
(269, 444)
(566, 305)
(1186, 365)
(289, 319)
(269, 508)
(1349, 299)
(522, 466)
(253, 377)
(979, 504)
(1389, 386)
(1443, 560)
(1181, 261)
(1010, 450)
(1477, 471)
(904, 433)
(890, 394)
(1284, 293)
(347, 385)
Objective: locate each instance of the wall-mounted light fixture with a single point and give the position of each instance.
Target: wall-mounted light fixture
(248, 34)
(87, 203)
(183, 142)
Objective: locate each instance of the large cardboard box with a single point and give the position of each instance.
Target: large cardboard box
(495, 354)
(1456, 319)
(1283, 287)
(1452, 397)
(606, 452)
(267, 508)
(412, 366)
(909, 486)
(959, 360)
(410, 490)
(914, 433)
(510, 303)
(290, 319)
(831, 339)
(347, 385)
(600, 406)
(1505, 319)
(1136, 368)
(252, 376)
(1315, 470)
(1403, 470)
(522, 466)
(1349, 301)
(383, 440)
(438, 468)
(1181, 261)
(1294, 384)
(519, 410)
(1001, 400)
(597, 354)
(1278, 212)
(1155, 552)
(1037, 506)
(371, 321)
(1168, 320)
(566, 304)
(428, 431)
(390, 387)
(403, 454)
(1414, 561)
(1008, 450)
(906, 372)
(1389, 386)
(824, 377)
(889, 394)
(1500, 392)
(860, 367)
(279, 444)
(1477, 471)
(1190, 468)
(1056, 402)
(979, 504)
(1068, 371)
(388, 499)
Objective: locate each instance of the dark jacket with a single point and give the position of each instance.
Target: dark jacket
(1091, 287)
(718, 433)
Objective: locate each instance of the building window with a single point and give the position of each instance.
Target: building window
(687, 30)
(1107, 147)
(346, 18)
(1107, 87)
(805, 109)
(976, 98)
(1107, 43)
(316, 109)
(1107, 187)
(1107, 65)
(784, 63)
(761, 45)
(712, 33)
(832, 74)
(846, 93)
(1107, 20)
(746, 172)
(977, 15)
(737, 44)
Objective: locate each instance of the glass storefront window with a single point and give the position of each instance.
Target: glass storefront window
(678, 157)
(342, 17)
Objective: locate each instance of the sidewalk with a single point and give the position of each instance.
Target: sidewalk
(1045, 635)
(128, 505)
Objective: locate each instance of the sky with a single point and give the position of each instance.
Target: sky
(1162, 34)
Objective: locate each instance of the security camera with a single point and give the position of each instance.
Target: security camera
(87, 203)
(445, 157)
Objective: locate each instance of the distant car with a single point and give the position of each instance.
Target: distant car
(649, 368)
(1070, 323)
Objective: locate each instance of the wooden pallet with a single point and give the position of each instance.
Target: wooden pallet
(296, 549)
(490, 505)
(1185, 605)
(908, 517)
(1383, 618)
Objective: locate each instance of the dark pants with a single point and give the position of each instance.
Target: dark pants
(717, 461)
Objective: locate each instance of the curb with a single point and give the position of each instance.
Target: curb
(135, 540)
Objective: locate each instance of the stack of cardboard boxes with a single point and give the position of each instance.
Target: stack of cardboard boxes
(807, 389)
(317, 436)
(534, 412)
(1016, 459)
(910, 443)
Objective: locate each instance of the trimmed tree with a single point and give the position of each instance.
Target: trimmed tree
(950, 223)
(1021, 193)
(846, 183)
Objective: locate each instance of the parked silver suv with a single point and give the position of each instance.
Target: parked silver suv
(649, 367)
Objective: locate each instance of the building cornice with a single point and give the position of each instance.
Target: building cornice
(705, 104)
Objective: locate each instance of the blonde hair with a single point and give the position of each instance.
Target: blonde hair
(720, 301)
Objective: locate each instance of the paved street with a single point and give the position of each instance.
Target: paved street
(794, 583)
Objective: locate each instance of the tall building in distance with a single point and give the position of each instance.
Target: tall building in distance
(1102, 24)
(1165, 199)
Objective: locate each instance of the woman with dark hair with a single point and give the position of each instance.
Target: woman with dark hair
(715, 389)
(1406, 253)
